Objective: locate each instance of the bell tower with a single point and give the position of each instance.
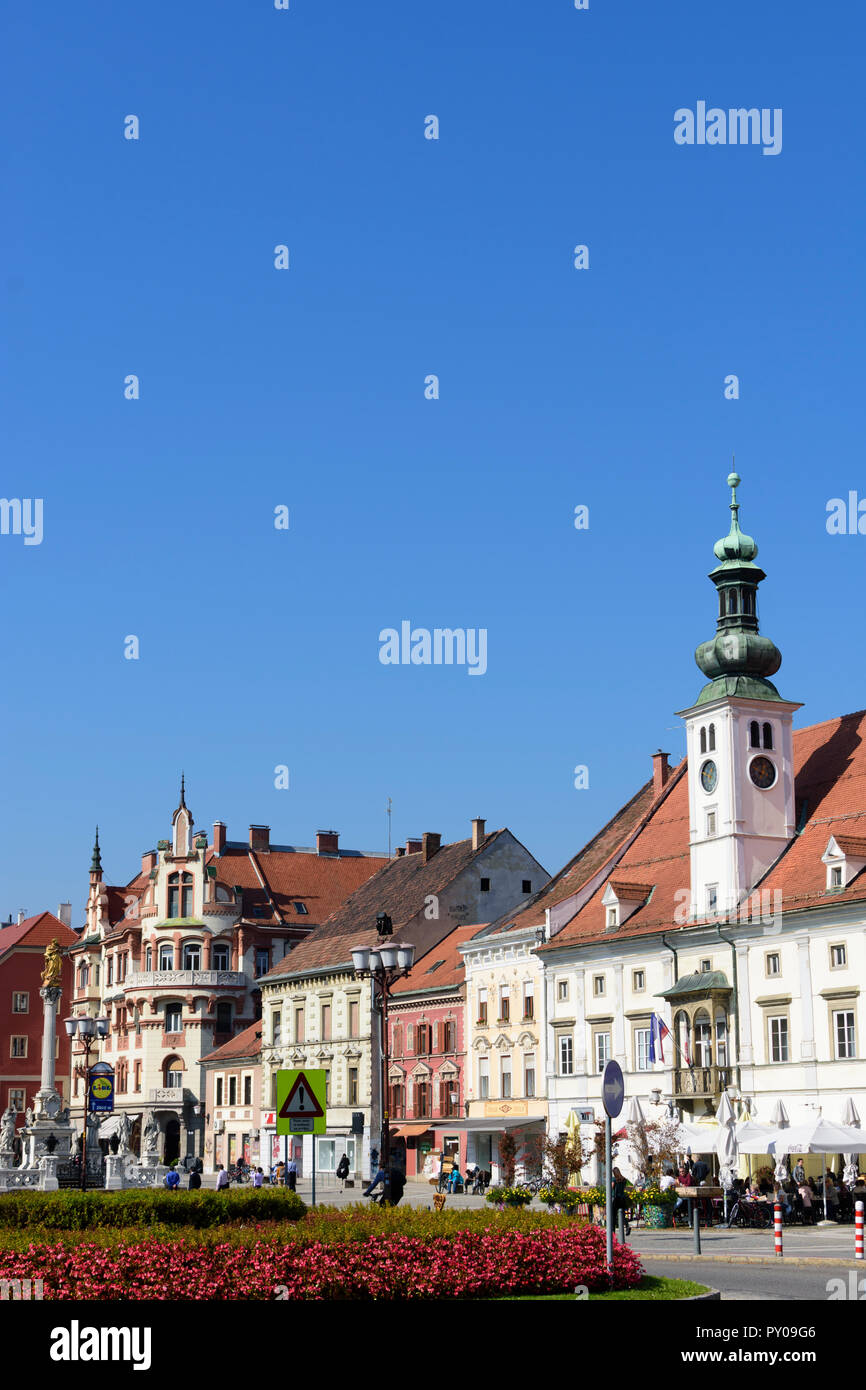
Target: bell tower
(739, 740)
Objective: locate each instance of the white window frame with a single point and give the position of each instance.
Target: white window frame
(768, 959)
(602, 1054)
(599, 986)
(641, 1049)
(638, 988)
(565, 1054)
(838, 964)
(781, 1042)
(851, 1039)
(562, 991)
(14, 1040)
(20, 994)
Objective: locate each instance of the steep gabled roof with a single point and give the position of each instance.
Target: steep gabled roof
(400, 889)
(39, 930)
(441, 968)
(245, 1044)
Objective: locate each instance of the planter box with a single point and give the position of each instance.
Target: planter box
(656, 1218)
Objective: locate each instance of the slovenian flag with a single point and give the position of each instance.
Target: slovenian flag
(659, 1030)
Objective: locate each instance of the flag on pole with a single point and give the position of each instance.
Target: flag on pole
(658, 1032)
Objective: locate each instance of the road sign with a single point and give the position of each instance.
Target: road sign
(100, 1092)
(301, 1103)
(612, 1089)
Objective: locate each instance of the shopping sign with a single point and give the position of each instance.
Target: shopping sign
(100, 1089)
(301, 1101)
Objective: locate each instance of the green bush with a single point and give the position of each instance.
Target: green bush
(87, 1211)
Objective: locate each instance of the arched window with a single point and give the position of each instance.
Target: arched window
(703, 740)
(96, 973)
(192, 955)
(754, 734)
(172, 1070)
(712, 738)
(166, 956)
(732, 601)
(83, 977)
(721, 1023)
(397, 1040)
(721, 603)
(220, 956)
(768, 735)
(148, 958)
(748, 601)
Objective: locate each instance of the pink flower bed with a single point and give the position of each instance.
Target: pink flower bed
(469, 1264)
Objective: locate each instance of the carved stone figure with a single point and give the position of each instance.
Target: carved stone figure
(53, 965)
(7, 1129)
(150, 1138)
(124, 1130)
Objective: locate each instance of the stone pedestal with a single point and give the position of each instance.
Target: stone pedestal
(48, 1164)
(115, 1165)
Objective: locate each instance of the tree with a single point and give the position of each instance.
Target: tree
(653, 1144)
(562, 1158)
(507, 1157)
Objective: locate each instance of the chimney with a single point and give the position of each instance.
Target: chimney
(148, 861)
(219, 837)
(260, 838)
(413, 846)
(327, 841)
(64, 912)
(661, 771)
(477, 834)
(430, 843)
(22, 915)
(400, 851)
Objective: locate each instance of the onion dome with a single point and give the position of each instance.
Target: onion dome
(738, 659)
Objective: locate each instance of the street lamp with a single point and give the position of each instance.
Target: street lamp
(386, 963)
(88, 1030)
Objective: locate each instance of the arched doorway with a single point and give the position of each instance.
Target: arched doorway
(172, 1141)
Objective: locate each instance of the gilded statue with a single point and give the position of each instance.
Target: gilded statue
(53, 965)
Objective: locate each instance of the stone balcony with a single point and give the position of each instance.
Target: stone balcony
(702, 1081)
(167, 1095)
(186, 979)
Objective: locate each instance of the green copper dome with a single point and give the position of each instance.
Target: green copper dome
(738, 659)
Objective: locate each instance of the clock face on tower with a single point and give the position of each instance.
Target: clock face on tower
(709, 776)
(762, 772)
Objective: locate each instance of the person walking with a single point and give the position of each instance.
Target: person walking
(258, 1178)
(799, 1173)
(292, 1175)
(194, 1180)
(619, 1202)
(222, 1181)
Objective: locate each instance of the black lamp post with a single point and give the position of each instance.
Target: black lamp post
(88, 1030)
(385, 964)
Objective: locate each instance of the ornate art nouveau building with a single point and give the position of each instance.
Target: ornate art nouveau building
(173, 958)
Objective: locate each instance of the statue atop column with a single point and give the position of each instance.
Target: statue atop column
(52, 973)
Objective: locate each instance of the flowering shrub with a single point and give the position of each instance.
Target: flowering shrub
(513, 1196)
(565, 1197)
(550, 1256)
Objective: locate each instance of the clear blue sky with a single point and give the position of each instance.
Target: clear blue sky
(306, 388)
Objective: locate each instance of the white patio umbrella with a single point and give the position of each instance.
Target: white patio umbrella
(850, 1117)
(780, 1115)
(635, 1114)
(819, 1136)
(726, 1144)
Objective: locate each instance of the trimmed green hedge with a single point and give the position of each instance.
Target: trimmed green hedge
(82, 1211)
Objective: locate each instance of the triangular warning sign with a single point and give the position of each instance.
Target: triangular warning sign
(301, 1101)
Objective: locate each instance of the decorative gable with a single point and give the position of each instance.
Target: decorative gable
(622, 899)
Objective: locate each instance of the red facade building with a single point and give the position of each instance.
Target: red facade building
(22, 959)
(427, 1064)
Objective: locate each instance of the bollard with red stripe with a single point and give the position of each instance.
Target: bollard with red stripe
(777, 1226)
(858, 1230)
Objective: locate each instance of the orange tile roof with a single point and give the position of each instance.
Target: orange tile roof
(245, 1044)
(320, 882)
(399, 888)
(39, 930)
(443, 967)
(830, 797)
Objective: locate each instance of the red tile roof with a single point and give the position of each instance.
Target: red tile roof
(400, 889)
(441, 968)
(246, 1044)
(36, 931)
(830, 799)
(587, 862)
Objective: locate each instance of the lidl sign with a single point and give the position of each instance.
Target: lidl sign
(301, 1103)
(101, 1092)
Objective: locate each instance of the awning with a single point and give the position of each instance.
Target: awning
(492, 1125)
(404, 1130)
(111, 1124)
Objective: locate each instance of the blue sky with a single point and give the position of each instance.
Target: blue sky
(306, 388)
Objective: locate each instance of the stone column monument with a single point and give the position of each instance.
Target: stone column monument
(48, 1133)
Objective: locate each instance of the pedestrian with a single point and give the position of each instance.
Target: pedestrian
(619, 1202)
(258, 1178)
(172, 1179)
(292, 1175)
(343, 1170)
(455, 1181)
(395, 1188)
(380, 1177)
(194, 1180)
(222, 1181)
(699, 1172)
(799, 1174)
(444, 1171)
(805, 1192)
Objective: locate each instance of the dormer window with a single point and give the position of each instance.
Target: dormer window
(844, 857)
(612, 917)
(621, 900)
